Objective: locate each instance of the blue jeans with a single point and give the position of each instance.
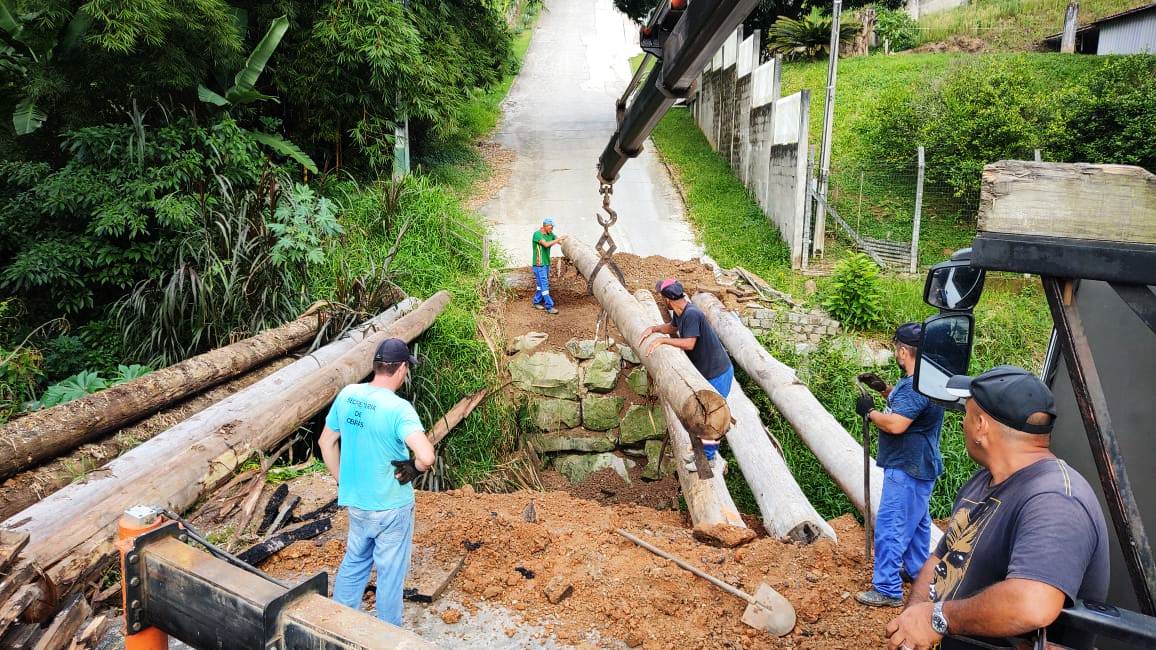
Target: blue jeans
(723, 382)
(542, 280)
(902, 530)
(381, 538)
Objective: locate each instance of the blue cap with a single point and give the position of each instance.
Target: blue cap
(394, 351)
(909, 334)
(549, 221)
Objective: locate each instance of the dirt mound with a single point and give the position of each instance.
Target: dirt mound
(617, 590)
(579, 311)
(954, 43)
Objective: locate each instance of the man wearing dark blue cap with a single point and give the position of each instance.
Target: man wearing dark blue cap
(909, 455)
(689, 331)
(368, 429)
(1027, 536)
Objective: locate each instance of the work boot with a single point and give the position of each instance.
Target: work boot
(539, 306)
(551, 311)
(876, 599)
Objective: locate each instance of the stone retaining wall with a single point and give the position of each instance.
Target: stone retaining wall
(798, 326)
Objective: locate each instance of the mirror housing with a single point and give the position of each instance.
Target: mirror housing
(944, 351)
(954, 285)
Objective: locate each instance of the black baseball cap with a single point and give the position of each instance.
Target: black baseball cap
(1010, 395)
(394, 351)
(909, 334)
(670, 288)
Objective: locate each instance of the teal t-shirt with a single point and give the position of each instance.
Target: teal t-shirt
(374, 423)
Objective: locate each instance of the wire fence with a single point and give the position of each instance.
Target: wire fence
(901, 218)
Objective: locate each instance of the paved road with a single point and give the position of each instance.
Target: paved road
(557, 118)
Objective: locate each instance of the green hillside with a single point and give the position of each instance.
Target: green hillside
(1013, 24)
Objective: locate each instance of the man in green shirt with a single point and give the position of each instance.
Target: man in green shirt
(542, 241)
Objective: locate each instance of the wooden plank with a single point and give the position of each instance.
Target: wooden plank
(11, 610)
(1076, 200)
(20, 575)
(11, 543)
(67, 623)
(90, 635)
(21, 637)
(428, 576)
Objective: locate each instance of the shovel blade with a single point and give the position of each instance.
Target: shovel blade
(770, 612)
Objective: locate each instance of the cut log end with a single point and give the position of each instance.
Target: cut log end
(804, 533)
(723, 535)
(706, 415)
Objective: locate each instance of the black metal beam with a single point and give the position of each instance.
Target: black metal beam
(209, 603)
(1108, 621)
(1093, 404)
(1140, 300)
(695, 39)
(1065, 257)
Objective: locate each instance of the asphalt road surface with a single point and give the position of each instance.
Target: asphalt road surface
(557, 119)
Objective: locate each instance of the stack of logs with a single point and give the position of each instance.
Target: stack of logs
(54, 552)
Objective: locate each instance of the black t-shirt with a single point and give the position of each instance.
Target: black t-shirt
(708, 354)
(1043, 523)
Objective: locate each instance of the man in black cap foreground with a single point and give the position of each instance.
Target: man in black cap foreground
(689, 331)
(1026, 537)
(909, 456)
(376, 430)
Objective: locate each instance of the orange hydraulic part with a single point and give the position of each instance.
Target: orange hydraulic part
(133, 523)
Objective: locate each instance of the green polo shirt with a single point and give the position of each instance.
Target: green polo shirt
(541, 254)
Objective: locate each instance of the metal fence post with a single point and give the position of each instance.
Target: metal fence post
(485, 252)
(1039, 156)
(918, 213)
(828, 124)
(808, 209)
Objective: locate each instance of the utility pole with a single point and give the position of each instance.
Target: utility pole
(820, 231)
(1068, 40)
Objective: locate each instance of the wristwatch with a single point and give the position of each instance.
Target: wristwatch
(938, 620)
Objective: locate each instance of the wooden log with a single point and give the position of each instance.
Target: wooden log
(46, 434)
(787, 514)
(839, 454)
(90, 636)
(72, 530)
(1077, 200)
(713, 513)
(699, 407)
(11, 609)
(455, 415)
(429, 577)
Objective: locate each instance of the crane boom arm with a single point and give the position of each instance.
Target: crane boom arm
(684, 37)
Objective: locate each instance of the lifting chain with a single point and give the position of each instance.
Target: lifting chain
(605, 246)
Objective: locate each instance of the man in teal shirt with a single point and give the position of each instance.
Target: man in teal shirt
(542, 241)
(368, 435)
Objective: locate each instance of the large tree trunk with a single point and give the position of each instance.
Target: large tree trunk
(43, 435)
(836, 450)
(72, 530)
(709, 503)
(23, 489)
(700, 408)
(787, 514)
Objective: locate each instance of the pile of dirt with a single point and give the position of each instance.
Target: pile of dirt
(618, 591)
(579, 310)
(954, 43)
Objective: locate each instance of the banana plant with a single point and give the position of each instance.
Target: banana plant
(244, 91)
(28, 116)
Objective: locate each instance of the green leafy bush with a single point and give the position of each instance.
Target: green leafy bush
(303, 222)
(808, 37)
(83, 383)
(900, 30)
(855, 296)
(983, 111)
(1112, 120)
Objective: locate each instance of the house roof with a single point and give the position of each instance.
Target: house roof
(1083, 29)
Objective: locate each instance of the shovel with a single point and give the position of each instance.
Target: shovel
(868, 533)
(767, 610)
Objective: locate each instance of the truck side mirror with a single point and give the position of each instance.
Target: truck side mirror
(944, 350)
(953, 286)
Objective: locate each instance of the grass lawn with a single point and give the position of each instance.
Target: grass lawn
(1013, 24)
